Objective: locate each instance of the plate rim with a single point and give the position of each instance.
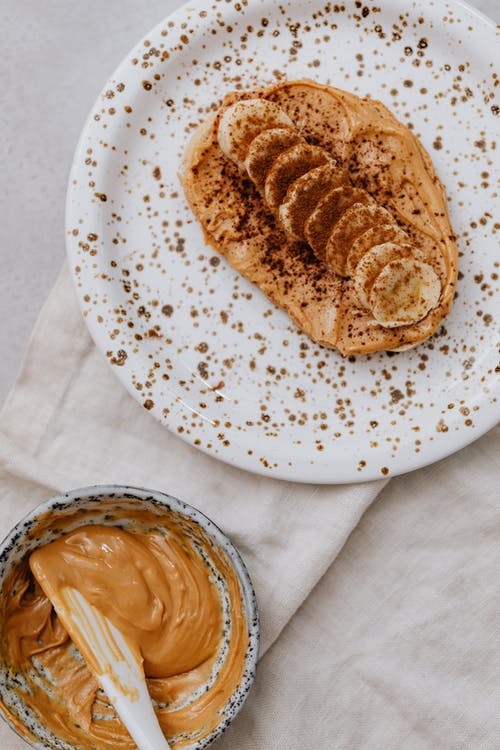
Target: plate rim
(307, 475)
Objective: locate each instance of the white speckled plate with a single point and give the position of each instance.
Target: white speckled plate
(203, 349)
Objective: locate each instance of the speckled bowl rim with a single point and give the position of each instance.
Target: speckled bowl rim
(170, 503)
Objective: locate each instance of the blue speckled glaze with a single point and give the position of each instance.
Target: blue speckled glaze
(91, 505)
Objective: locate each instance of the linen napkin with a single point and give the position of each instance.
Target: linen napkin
(372, 652)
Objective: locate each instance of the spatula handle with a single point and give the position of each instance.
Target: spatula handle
(114, 665)
(137, 714)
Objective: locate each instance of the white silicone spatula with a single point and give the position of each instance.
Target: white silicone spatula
(113, 663)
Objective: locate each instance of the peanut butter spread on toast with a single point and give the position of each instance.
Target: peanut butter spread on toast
(332, 207)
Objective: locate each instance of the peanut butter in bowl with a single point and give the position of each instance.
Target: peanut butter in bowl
(166, 577)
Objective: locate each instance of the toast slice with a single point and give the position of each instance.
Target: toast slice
(383, 171)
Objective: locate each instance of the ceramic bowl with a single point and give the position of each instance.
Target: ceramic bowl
(93, 505)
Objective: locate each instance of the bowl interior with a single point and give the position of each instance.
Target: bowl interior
(119, 506)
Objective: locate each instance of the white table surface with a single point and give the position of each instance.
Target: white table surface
(56, 57)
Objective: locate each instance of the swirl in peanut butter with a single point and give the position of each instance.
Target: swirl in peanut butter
(171, 594)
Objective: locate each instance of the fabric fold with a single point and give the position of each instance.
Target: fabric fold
(397, 646)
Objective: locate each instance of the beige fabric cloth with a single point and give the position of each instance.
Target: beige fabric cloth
(379, 626)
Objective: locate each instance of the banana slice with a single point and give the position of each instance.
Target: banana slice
(379, 235)
(290, 165)
(319, 225)
(265, 149)
(404, 292)
(351, 225)
(370, 266)
(241, 122)
(304, 194)
(345, 227)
